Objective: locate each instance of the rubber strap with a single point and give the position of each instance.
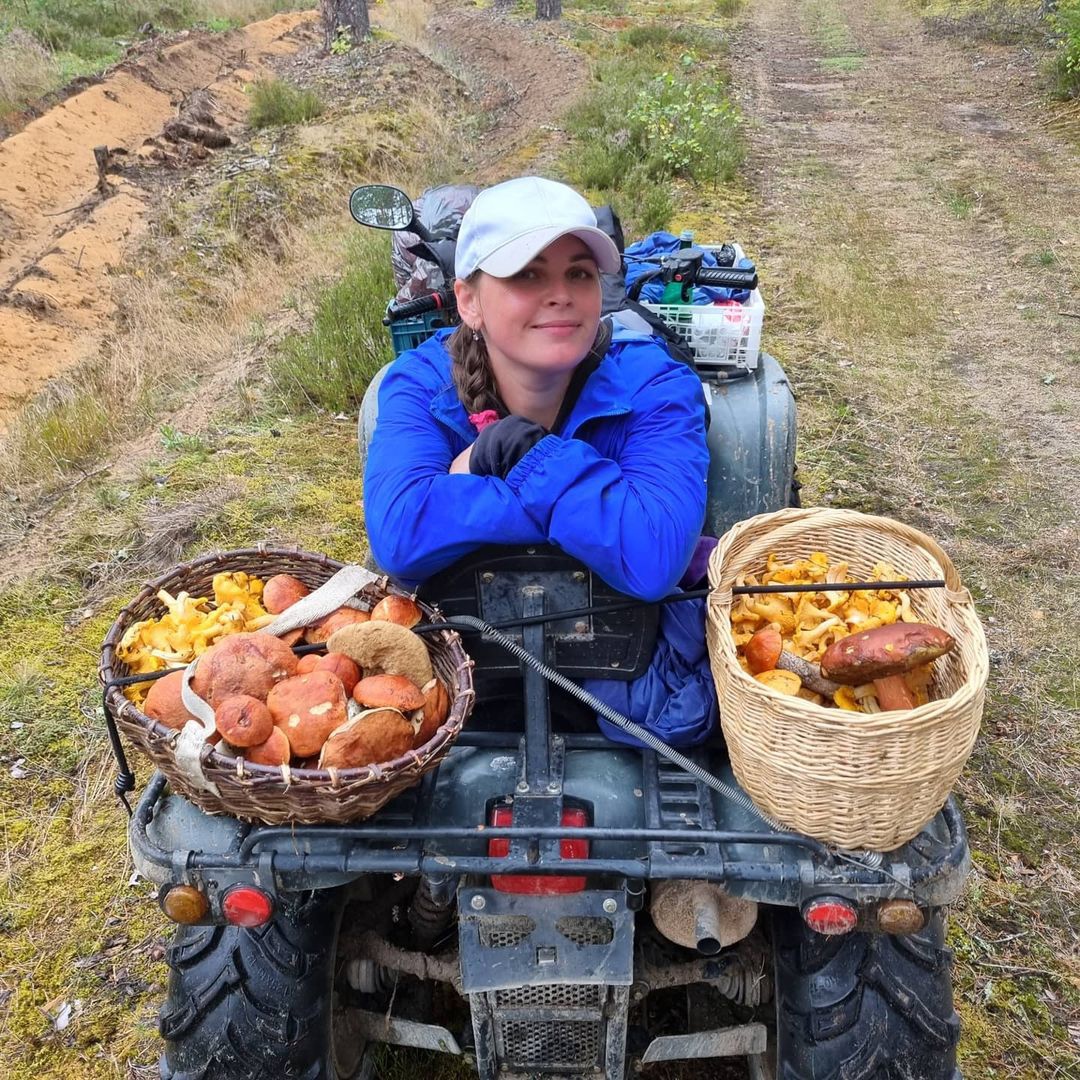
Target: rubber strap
(189, 746)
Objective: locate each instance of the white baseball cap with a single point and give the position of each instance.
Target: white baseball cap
(509, 224)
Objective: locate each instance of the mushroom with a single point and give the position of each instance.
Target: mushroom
(765, 651)
(882, 655)
(281, 592)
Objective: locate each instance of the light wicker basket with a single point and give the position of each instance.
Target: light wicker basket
(861, 781)
(271, 794)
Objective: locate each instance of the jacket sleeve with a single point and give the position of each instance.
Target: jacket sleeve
(635, 519)
(420, 518)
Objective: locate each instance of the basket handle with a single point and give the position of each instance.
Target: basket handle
(799, 518)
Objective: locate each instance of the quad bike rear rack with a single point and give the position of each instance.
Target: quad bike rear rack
(684, 843)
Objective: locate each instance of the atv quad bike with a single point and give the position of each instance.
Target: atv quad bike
(551, 903)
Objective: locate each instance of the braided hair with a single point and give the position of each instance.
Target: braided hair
(471, 369)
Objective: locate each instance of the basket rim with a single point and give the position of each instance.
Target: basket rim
(792, 520)
(356, 776)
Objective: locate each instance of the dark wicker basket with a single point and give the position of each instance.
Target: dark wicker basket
(271, 794)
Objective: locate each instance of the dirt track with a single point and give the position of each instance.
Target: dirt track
(58, 237)
(920, 127)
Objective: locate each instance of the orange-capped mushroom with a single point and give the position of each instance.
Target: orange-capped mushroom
(348, 671)
(307, 708)
(164, 704)
(398, 609)
(435, 711)
(376, 735)
(281, 592)
(242, 664)
(388, 692)
(243, 720)
(320, 631)
(274, 751)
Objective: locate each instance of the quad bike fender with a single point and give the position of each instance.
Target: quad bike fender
(751, 445)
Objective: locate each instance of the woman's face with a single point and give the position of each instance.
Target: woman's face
(543, 319)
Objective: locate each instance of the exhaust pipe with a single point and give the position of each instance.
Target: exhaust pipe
(701, 915)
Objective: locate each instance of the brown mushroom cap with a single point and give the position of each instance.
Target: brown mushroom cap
(397, 609)
(164, 704)
(243, 720)
(307, 708)
(436, 710)
(281, 592)
(885, 650)
(374, 736)
(274, 751)
(242, 664)
(763, 650)
(388, 692)
(321, 630)
(344, 668)
(385, 648)
(277, 653)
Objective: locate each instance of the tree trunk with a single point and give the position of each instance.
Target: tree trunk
(549, 9)
(352, 15)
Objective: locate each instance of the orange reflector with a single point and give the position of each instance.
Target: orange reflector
(244, 905)
(185, 904)
(830, 915)
(900, 917)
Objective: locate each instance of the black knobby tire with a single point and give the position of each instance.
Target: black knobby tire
(257, 1004)
(863, 1006)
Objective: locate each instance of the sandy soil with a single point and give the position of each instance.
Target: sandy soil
(58, 235)
(523, 77)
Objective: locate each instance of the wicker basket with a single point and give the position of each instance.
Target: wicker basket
(861, 781)
(271, 794)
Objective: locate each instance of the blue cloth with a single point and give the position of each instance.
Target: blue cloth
(645, 256)
(621, 487)
(675, 698)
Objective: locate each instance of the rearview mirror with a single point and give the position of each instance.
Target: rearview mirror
(381, 207)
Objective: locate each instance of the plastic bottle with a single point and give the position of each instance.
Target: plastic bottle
(686, 239)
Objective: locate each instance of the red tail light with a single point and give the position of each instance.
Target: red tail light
(539, 884)
(830, 915)
(244, 905)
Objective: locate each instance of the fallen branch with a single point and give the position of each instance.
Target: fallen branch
(72, 209)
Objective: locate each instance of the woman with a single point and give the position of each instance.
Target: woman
(528, 424)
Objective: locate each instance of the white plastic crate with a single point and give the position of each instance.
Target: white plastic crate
(720, 335)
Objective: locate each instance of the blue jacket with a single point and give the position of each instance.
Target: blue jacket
(621, 487)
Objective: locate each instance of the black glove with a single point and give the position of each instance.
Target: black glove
(500, 446)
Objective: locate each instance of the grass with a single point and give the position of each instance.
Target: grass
(1065, 63)
(230, 256)
(839, 50)
(46, 43)
(330, 365)
(992, 22)
(931, 458)
(856, 286)
(275, 103)
(656, 113)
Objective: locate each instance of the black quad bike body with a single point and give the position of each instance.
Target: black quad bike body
(551, 903)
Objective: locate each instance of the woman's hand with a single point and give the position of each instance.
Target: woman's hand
(460, 464)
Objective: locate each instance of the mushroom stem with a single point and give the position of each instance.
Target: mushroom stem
(810, 675)
(892, 693)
